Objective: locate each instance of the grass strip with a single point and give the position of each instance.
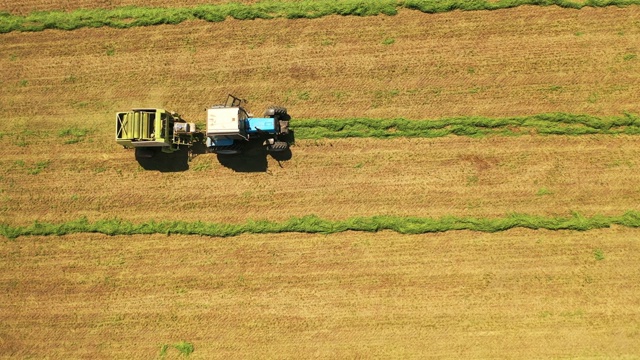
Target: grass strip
(543, 124)
(132, 16)
(314, 224)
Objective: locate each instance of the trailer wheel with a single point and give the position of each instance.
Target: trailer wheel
(145, 152)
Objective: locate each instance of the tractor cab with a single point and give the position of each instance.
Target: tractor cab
(227, 122)
(230, 126)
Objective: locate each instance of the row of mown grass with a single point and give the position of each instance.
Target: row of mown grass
(132, 16)
(314, 224)
(545, 124)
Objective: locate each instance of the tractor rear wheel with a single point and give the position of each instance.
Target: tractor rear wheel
(226, 150)
(277, 146)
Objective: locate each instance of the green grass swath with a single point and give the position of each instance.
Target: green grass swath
(132, 16)
(314, 224)
(544, 124)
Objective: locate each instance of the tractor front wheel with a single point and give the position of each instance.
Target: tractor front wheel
(277, 146)
(277, 112)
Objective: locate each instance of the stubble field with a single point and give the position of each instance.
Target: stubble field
(517, 294)
(514, 294)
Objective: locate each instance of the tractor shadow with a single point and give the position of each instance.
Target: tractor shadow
(154, 159)
(198, 147)
(253, 158)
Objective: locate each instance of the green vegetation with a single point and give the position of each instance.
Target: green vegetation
(202, 166)
(110, 50)
(435, 6)
(544, 191)
(73, 135)
(543, 124)
(185, 348)
(34, 169)
(133, 16)
(23, 137)
(38, 167)
(314, 224)
(388, 41)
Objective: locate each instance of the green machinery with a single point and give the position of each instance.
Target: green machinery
(149, 129)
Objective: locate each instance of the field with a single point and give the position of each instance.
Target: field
(517, 293)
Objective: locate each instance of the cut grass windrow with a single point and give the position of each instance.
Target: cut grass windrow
(314, 224)
(133, 16)
(544, 124)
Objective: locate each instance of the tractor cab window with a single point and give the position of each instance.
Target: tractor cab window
(243, 122)
(242, 115)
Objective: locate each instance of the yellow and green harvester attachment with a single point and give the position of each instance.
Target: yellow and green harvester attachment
(153, 128)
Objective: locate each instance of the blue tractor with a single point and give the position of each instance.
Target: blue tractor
(230, 128)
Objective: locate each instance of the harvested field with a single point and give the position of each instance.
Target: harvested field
(515, 62)
(459, 294)
(517, 294)
(334, 179)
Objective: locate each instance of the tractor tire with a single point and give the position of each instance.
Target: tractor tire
(278, 146)
(226, 150)
(277, 112)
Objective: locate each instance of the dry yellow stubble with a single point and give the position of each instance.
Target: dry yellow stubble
(519, 61)
(516, 294)
(334, 179)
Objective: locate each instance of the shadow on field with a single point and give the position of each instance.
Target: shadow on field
(253, 158)
(198, 148)
(154, 159)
